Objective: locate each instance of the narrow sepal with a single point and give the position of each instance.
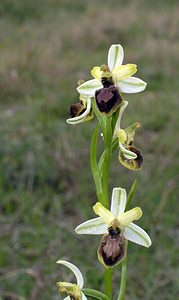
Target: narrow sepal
(89, 87)
(118, 202)
(93, 226)
(131, 85)
(136, 234)
(75, 270)
(127, 153)
(115, 56)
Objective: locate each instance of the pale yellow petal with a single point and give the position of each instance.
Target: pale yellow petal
(105, 214)
(96, 73)
(124, 71)
(129, 216)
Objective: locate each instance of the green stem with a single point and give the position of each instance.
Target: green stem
(106, 162)
(103, 172)
(123, 278)
(94, 165)
(105, 188)
(108, 282)
(95, 294)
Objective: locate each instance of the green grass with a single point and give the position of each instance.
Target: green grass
(46, 187)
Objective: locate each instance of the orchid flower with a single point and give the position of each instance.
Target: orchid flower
(111, 80)
(116, 226)
(73, 290)
(129, 156)
(81, 111)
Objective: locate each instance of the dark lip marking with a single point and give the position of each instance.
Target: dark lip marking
(108, 98)
(112, 247)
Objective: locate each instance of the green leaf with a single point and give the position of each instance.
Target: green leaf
(132, 192)
(93, 160)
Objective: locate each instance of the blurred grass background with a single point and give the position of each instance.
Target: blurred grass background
(45, 182)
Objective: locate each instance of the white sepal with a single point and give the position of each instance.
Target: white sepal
(115, 56)
(93, 226)
(137, 235)
(89, 87)
(118, 201)
(75, 270)
(131, 85)
(127, 153)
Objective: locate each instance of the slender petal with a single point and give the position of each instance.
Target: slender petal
(115, 56)
(83, 116)
(75, 270)
(89, 87)
(137, 235)
(83, 297)
(118, 201)
(131, 85)
(96, 73)
(127, 153)
(124, 71)
(67, 298)
(105, 214)
(93, 226)
(129, 216)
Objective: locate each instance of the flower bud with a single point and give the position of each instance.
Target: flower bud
(108, 98)
(111, 250)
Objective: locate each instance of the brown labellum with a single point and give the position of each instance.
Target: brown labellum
(108, 98)
(77, 109)
(133, 164)
(139, 158)
(112, 248)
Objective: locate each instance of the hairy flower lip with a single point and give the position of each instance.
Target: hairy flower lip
(111, 250)
(77, 109)
(108, 99)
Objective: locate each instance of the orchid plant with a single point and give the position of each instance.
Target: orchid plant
(102, 97)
